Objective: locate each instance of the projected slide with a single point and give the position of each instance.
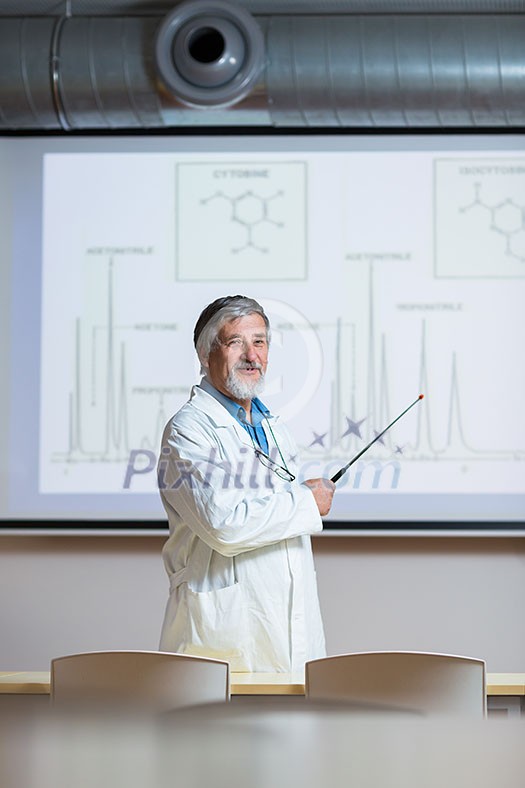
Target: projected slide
(384, 275)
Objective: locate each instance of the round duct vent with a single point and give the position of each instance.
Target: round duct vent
(209, 54)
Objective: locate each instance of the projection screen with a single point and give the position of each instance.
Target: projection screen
(389, 266)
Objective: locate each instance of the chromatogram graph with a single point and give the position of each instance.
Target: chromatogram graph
(113, 409)
(441, 439)
(110, 392)
(116, 401)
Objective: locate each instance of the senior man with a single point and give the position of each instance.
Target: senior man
(239, 559)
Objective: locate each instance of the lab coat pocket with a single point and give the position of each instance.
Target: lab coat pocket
(218, 624)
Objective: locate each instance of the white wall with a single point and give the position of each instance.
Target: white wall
(460, 595)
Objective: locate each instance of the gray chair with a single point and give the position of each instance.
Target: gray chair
(418, 681)
(148, 680)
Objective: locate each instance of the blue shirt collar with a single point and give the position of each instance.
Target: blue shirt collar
(259, 412)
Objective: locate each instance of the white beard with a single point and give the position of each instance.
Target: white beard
(244, 389)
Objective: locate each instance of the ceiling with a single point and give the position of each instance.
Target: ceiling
(93, 64)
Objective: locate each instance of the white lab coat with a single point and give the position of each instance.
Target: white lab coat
(239, 559)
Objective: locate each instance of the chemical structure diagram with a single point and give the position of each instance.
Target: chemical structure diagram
(250, 210)
(506, 218)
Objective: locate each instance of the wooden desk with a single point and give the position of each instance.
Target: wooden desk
(506, 694)
(505, 691)
(38, 683)
(506, 684)
(266, 684)
(287, 684)
(25, 682)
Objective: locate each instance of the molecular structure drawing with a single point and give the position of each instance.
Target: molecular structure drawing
(506, 218)
(250, 210)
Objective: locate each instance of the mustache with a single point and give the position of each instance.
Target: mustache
(248, 365)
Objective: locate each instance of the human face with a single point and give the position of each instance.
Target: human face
(237, 364)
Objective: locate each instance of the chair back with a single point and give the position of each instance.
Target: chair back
(424, 682)
(145, 679)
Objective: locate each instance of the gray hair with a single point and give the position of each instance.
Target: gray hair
(216, 314)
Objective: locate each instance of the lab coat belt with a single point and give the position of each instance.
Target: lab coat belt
(177, 578)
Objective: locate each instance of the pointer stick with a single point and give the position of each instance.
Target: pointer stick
(343, 470)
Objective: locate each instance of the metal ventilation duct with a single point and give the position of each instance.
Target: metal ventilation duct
(208, 66)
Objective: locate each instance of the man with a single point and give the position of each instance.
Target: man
(242, 580)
